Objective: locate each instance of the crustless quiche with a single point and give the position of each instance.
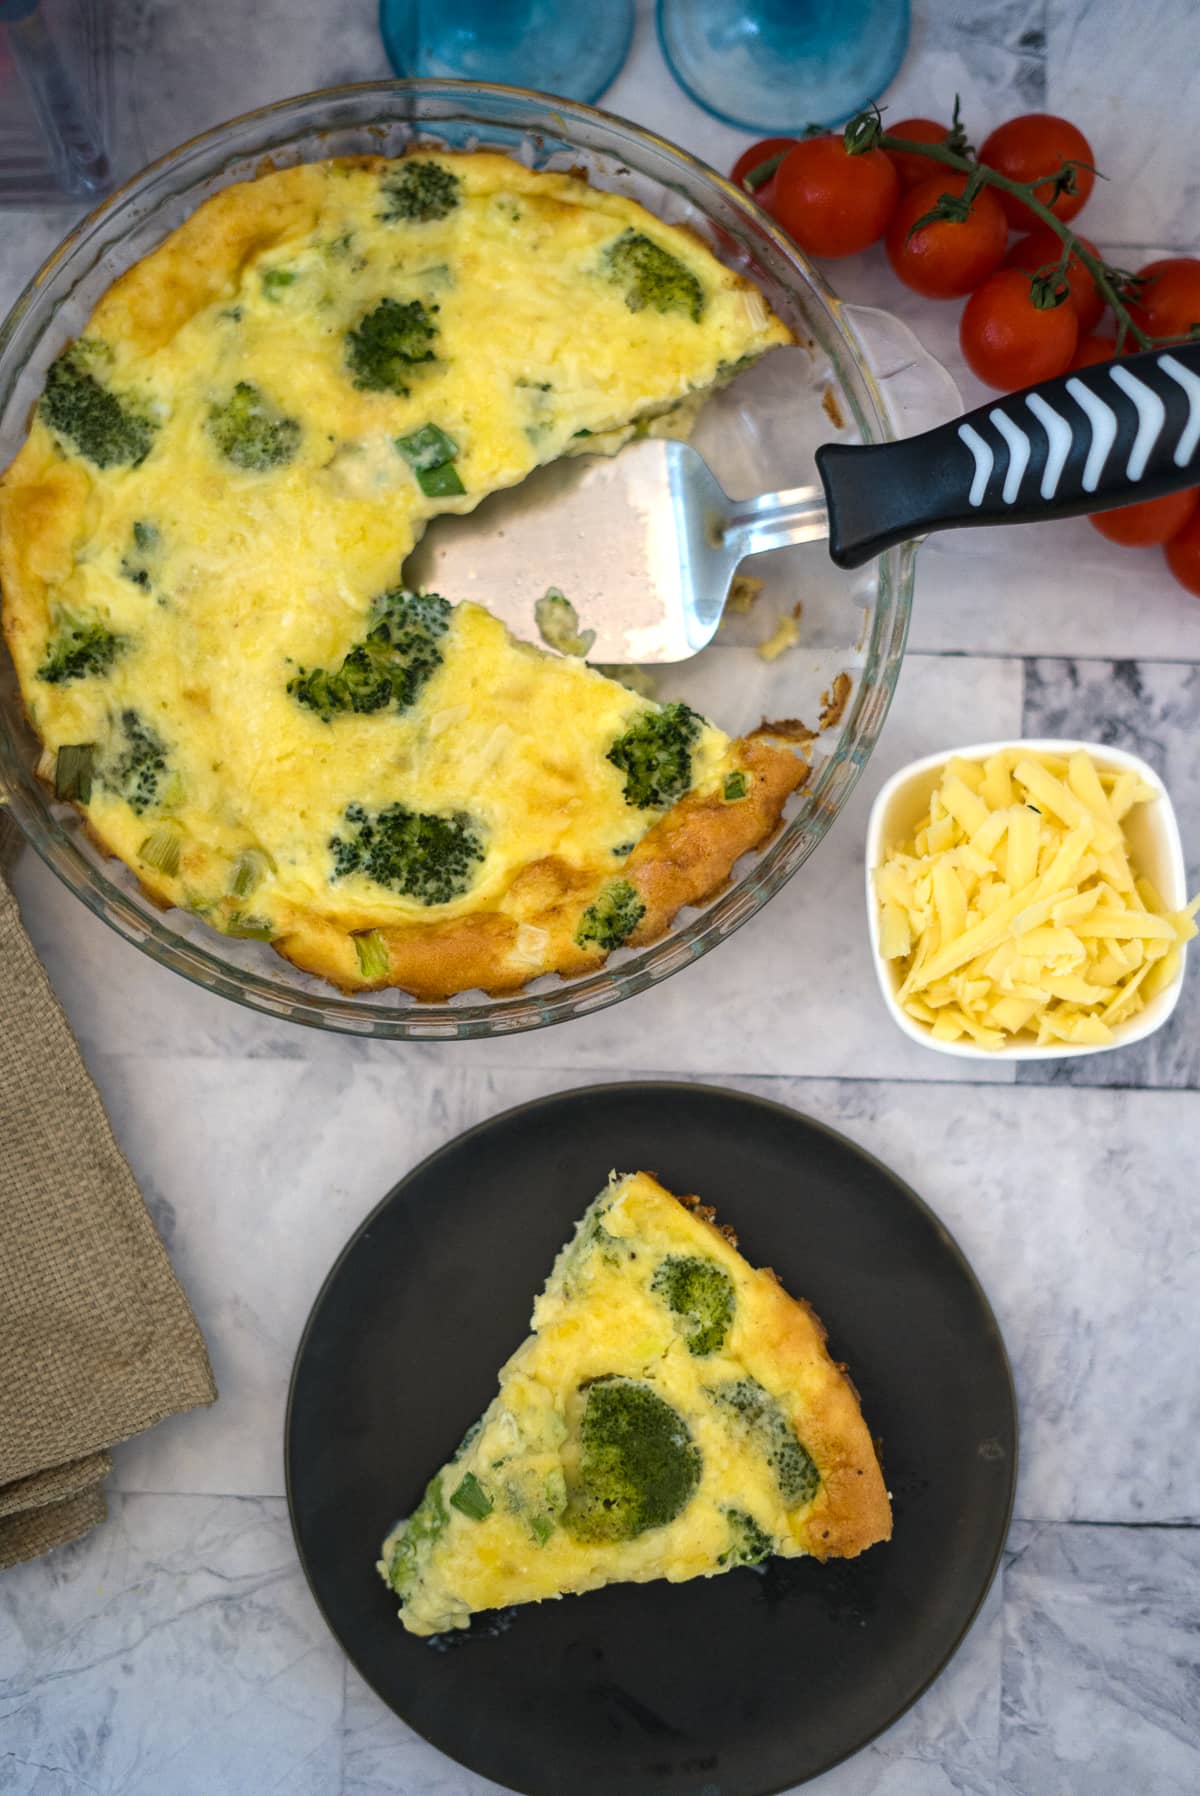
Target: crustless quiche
(201, 546)
(673, 1414)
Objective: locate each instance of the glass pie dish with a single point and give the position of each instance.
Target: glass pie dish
(854, 375)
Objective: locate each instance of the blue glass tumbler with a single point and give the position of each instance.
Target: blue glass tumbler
(776, 66)
(557, 46)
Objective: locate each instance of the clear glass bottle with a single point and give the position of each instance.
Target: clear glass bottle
(54, 84)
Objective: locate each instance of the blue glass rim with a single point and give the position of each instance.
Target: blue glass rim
(588, 98)
(789, 128)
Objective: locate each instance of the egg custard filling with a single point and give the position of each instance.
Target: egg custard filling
(201, 545)
(673, 1414)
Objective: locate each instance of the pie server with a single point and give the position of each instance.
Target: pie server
(645, 543)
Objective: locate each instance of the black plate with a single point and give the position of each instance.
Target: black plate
(736, 1686)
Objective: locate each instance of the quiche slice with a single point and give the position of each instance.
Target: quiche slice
(673, 1414)
(201, 553)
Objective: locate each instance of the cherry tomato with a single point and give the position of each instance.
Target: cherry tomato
(753, 158)
(945, 260)
(1093, 349)
(1183, 555)
(1007, 341)
(911, 168)
(1036, 144)
(832, 203)
(1153, 521)
(1169, 304)
(1042, 248)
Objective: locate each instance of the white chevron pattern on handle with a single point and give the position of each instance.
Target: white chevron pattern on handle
(1058, 437)
(1103, 420)
(984, 462)
(1019, 451)
(1093, 438)
(1185, 448)
(1152, 415)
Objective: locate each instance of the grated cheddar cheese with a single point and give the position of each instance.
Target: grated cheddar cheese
(1016, 908)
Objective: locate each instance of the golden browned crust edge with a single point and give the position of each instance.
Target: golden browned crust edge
(851, 1511)
(683, 859)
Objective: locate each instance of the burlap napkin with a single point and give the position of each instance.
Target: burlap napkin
(96, 1338)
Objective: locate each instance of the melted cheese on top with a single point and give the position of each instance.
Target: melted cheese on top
(257, 575)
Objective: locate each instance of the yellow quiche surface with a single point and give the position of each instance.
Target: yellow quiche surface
(201, 546)
(673, 1414)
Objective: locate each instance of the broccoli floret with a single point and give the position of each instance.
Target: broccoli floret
(388, 343)
(93, 420)
(655, 755)
(417, 853)
(652, 276)
(77, 650)
(701, 1295)
(389, 668)
(249, 431)
(748, 1543)
(424, 1526)
(795, 1472)
(613, 918)
(419, 191)
(138, 559)
(137, 771)
(638, 1465)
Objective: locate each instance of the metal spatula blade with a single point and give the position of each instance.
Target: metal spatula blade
(645, 543)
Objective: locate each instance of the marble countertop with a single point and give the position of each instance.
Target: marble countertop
(176, 1651)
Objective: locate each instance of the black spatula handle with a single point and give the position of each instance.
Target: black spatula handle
(1112, 434)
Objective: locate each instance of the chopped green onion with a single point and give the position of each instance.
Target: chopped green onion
(441, 482)
(472, 1499)
(161, 848)
(251, 929)
(430, 454)
(73, 769)
(542, 1528)
(374, 961)
(427, 448)
(275, 279)
(249, 871)
(736, 785)
(558, 624)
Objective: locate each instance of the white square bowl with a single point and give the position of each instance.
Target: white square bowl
(1152, 831)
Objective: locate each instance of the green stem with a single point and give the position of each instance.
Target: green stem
(1024, 191)
(761, 173)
